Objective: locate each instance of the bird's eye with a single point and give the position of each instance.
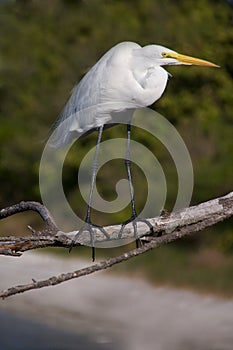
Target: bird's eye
(165, 54)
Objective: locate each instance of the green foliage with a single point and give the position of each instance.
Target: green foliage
(47, 46)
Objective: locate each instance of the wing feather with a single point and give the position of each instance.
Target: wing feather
(93, 99)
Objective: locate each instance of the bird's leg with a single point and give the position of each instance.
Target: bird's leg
(95, 166)
(88, 226)
(134, 219)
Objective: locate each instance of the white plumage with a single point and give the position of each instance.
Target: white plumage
(128, 76)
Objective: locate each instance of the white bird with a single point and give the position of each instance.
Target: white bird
(127, 77)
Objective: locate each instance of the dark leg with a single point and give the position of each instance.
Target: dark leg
(134, 219)
(128, 169)
(88, 226)
(95, 166)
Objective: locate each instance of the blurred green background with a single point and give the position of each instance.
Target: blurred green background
(45, 49)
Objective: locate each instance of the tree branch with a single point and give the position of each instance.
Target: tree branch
(173, 226)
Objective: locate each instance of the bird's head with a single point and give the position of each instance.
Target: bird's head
(163, 56)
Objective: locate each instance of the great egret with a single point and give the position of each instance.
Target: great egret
(127, 77)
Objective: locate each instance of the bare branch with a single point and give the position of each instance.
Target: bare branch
(14, 246)
(174, 226)
(30, 205)
(213, 211)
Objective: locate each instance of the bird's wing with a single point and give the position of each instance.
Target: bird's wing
(93, 99)
(80, 112)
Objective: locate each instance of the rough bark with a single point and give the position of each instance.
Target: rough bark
(167, 229)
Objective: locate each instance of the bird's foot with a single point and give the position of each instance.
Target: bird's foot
(89, 227)
(134, 220)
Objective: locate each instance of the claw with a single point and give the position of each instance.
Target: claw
(134, 221)
(89, 228)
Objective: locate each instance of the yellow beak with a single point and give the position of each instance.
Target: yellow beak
(191, 60)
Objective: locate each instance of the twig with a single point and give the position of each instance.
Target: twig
(175, 226)
(30, 205)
